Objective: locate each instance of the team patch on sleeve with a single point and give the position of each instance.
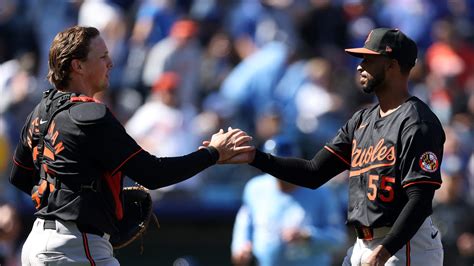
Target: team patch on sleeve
(429, 162)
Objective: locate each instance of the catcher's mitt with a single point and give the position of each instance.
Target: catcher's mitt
(137, 212)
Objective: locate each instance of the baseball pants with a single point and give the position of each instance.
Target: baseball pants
(63, 243)
(424, 248)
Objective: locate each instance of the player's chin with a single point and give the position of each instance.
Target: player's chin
(105, 85)
(368, 89)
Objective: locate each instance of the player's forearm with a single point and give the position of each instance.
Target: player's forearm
(307, 173)
(411, 218)
(153, 172)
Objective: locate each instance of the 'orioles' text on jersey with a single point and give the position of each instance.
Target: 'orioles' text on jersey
(385, 155)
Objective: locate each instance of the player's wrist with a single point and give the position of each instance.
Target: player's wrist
(213, 152)
(384, 254)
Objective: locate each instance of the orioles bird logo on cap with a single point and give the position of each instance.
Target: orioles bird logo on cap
(368, 37)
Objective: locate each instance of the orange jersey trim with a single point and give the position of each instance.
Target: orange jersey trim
(126, 160)
(422, 182)
(337, 155)
(83, 99)
(22, 166)
(363, 170)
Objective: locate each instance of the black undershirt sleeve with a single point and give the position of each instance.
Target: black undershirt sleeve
(153, 172)
(412, 216)
(307, 173)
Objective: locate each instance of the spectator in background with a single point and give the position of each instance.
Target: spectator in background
(414, 17)
(453, 216)
(254, 23)
(10, 226)
(153, 21)
(465, 245)
(14, 15)
(109, 19)
(250, 85)
(180, 52)
(216, 64)
(281, 224)
(450, 59)
(49, 17)
(324, 28)
(18, 88)
(359, 22)
(304, 82)
(159, 125)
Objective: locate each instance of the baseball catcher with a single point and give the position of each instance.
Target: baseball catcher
(73, 154)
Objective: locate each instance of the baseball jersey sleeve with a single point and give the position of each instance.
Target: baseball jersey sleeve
(108, 142)
(110, 145)
(421, 154)
(23, 152)
(22, 174)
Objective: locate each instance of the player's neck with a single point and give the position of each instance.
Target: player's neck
(391, 99)
(79, 86)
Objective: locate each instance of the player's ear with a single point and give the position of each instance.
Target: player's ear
(76, 65)
(393, 64)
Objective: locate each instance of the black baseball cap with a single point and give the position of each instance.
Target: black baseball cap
(389, 42)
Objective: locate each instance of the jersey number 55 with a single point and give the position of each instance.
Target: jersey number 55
(386, 183)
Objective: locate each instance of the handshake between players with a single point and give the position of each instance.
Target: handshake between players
(233, 146)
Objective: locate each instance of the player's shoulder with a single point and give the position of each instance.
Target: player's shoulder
(418, 117)
(365, 110)
(364, 113)
(418, 112)
(87, 111)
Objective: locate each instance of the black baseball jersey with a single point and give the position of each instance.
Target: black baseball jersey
(80, 153)
(88, 152)
(385, 155)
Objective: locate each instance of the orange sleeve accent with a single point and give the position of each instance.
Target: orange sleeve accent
(422, 182)
(338, 156)
(22, 166)
(126, 160)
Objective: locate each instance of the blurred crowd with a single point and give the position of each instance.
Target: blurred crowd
(183, 69)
